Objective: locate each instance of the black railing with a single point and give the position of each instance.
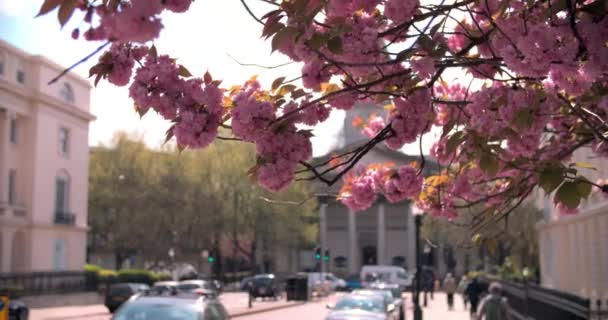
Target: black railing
(35, 283)
(530, 301)
(65, 218)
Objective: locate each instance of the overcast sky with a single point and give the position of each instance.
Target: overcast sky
(202, 39)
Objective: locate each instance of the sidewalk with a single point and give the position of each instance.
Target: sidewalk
(437, 309)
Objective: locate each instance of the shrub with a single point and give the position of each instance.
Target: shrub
(137, 275)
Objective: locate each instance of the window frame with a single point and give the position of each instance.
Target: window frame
(2, 64)
(67, 93)
(65, 179)
(12, 186)
(13, 134)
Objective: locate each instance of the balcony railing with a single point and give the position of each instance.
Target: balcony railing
(65, 218)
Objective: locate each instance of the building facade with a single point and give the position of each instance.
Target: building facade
(43, 164)
(381, 235)
(573, 248)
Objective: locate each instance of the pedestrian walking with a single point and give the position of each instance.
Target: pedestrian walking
(462, 286)
(473, 291)
(494, 306)
(449, 285)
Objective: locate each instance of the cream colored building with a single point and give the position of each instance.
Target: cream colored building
(43, 164)
(574, 249)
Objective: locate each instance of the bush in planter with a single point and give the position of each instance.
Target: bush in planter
(137, 275)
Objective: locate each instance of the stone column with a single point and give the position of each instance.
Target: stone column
(380, 253)
(323, 230)
(4, 152)
(353, 243)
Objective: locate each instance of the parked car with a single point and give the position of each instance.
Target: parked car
(353, 282)
(17, 310)
(386, 274)
(357, 307)
(181, 306)
(337, 284)
(266, 286)
(121, 292)
(244, 286)
(204, 287)
(397, 296)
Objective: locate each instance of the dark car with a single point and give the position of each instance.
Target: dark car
(121, 292)
(353, 282)
(181, 306)
(17, 310)
(244, 285)
(265, 286)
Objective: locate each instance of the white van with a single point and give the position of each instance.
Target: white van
(388, 274)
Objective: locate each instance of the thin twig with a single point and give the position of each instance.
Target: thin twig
(65, 71)
(251, 13)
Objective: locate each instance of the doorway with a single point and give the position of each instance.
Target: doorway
(369, 255)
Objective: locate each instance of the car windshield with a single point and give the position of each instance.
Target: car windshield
(362, 303)
(262, 281)
(396, 293)
(193, 286)
(155, 311)
(384, 294)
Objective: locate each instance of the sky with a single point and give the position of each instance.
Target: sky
(212, 36)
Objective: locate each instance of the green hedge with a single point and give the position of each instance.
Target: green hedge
(97, 277)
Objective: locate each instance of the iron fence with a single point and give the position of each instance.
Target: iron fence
(35, 283)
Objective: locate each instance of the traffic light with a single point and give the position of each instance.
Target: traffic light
(326, 255)
(318, 253)
(211, 257)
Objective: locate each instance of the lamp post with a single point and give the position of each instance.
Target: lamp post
(418, 221)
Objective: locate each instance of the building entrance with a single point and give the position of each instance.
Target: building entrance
(369, 255)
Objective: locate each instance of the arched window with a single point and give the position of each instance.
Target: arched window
(20, 72)
(59, 255)
(66, 92)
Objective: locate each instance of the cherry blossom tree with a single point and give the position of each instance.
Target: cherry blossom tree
(533, 92)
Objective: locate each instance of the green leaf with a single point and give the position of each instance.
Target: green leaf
(286, 89)
(152, 52)
(207, 78)
(403, 55)
(426, 43)
(65, 11)
(454, 141)
(184, 72)
(523, 119)
(583, 187)
(277, 82)
(447, 128)
(568, 194)
(476, 239)
(285, 34)
(48, 6)
(317, 40)
(550, 177)
(335, 45)
(489, 164)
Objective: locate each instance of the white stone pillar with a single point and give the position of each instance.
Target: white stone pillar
(380, 253)
(353, 243)
(323, 232)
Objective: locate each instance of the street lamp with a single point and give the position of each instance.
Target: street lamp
(417, 212)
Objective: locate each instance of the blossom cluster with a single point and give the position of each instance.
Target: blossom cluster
(536, 92)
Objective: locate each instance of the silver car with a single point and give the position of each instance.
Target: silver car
(361, 307)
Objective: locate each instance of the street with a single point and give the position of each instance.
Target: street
(236, 303)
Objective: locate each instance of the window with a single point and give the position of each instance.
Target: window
(13, 130)
(66, 92)
(12, 186)
(62, 190)
(59, 255)
(64, 141)
(2, 63)
(20, 73)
